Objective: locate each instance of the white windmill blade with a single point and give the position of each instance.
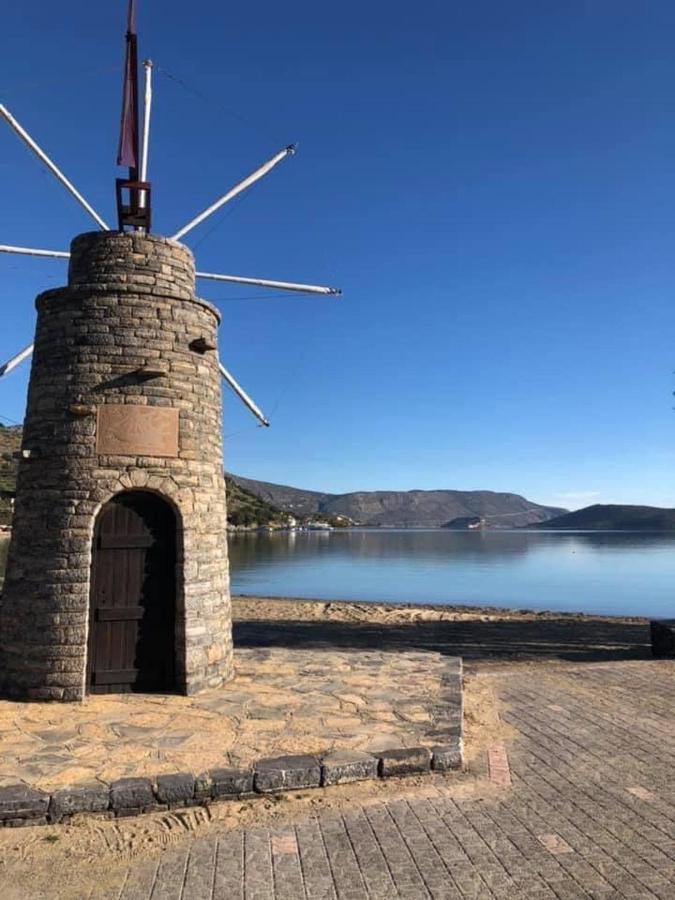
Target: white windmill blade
(267, 283)
(16, 360)
(236, 190)
(33, 251)
(243, 396)
(53, 168)
(213, 276)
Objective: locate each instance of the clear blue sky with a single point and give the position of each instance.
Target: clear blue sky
(492, 185)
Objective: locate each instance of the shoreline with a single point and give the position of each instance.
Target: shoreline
(375, 610)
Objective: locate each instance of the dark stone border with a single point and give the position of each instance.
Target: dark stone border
(662, 633)
(24, 805)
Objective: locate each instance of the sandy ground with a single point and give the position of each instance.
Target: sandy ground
(294, 609)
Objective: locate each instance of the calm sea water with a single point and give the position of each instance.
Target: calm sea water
(598, 572)
(615, 573)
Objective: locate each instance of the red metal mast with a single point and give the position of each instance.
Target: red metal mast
(132, 213)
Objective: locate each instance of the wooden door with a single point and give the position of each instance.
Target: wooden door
(133, 596)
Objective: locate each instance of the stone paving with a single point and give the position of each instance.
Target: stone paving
(588, 810)
(281, 701)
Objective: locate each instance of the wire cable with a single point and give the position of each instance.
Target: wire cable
(227, 212)
(11, 422)
(205, 98)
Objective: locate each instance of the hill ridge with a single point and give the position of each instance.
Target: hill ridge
(615, 517)
(410, 508)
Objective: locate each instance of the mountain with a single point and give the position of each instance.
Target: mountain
(616, 517)
(403, 509)
(245, 510)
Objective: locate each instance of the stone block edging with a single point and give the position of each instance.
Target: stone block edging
(22, 805)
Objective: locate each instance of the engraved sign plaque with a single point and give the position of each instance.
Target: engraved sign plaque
(127, 430)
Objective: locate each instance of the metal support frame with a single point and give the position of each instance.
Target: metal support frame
(133, 213)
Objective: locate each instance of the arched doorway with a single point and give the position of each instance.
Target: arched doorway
(132, 641)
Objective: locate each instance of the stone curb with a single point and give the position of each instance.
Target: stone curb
(23, 805)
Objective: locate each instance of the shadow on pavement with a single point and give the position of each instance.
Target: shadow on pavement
(555, 638)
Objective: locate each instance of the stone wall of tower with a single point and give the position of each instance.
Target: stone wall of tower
(129, 306)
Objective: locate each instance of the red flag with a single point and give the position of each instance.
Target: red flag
(127, 150)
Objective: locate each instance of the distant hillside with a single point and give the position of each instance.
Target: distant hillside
(615, 517)
(294, 500)
(404, 509)
(245, 510)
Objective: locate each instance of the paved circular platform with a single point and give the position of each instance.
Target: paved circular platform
(282, 701)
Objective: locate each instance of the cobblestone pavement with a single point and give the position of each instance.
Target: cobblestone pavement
(580, 803)
(280, 701)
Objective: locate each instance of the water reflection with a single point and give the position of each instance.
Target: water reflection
(605, 572)
(432, 543)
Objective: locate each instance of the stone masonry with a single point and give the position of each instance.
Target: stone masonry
(127, 329)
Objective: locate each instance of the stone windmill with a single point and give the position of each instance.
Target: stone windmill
(117, 575)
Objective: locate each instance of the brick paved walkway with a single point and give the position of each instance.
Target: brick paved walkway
(590, 812)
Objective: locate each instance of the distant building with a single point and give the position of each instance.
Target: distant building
(465, 523)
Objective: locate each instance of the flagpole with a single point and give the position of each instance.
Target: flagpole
(147, 109)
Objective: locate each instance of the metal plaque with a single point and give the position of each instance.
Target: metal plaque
(137, 430)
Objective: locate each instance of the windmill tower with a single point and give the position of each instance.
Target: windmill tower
(117, 575)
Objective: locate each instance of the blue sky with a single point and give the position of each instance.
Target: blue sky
(492, 185)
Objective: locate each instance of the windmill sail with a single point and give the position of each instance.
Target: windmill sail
(127, 151)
